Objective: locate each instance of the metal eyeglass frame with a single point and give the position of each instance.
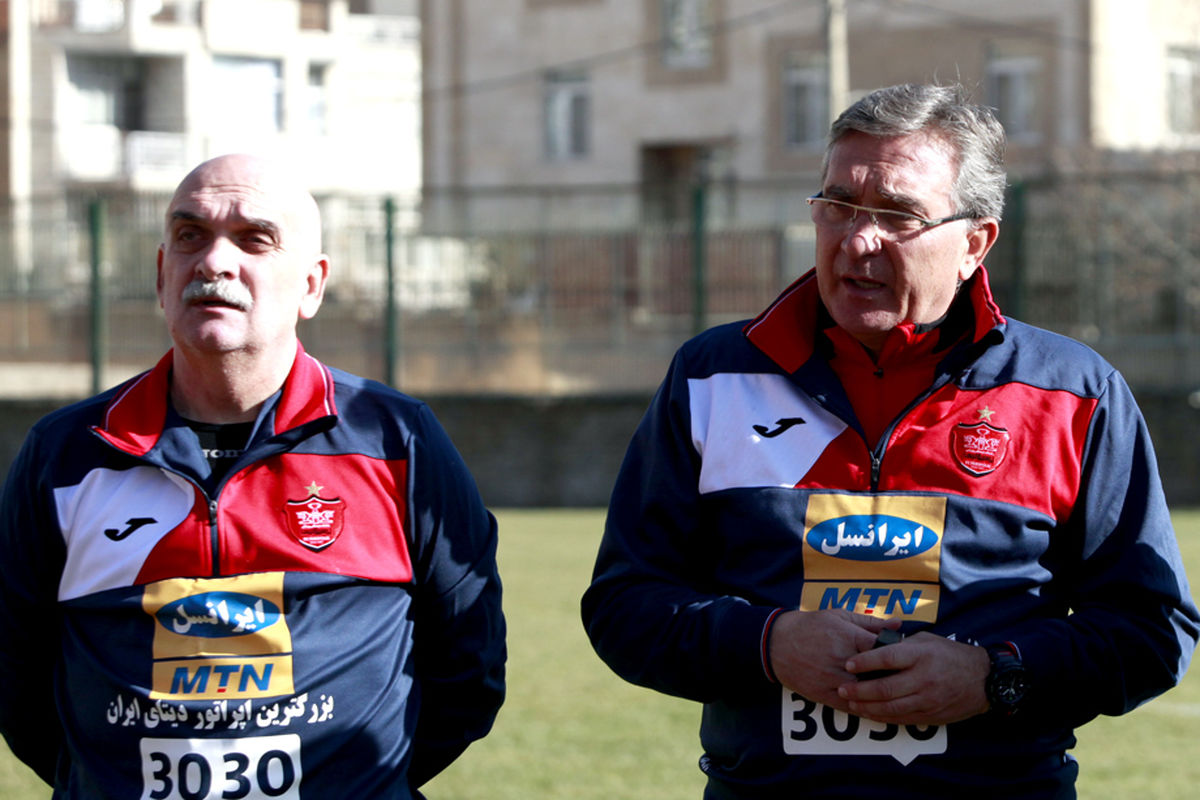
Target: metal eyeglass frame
(877, 213)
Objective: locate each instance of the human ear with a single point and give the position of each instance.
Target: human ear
(980, 238)
(314, 287)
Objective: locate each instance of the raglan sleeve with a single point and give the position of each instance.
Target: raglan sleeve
(460, 628)
(29, 619)
(1133, 626)
(653, 612)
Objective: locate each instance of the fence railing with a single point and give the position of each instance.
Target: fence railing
(530, 292)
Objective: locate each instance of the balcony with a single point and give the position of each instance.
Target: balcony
(109, 16)
(104, 153)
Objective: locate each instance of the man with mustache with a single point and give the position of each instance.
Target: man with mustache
(898, 544)
(244, 573)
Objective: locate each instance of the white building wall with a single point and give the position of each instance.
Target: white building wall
(371, 144)
(1128, 75)
(1129, 85)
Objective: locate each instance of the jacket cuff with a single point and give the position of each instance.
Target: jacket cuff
(764, 648)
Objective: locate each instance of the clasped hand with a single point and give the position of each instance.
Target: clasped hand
(933, 680)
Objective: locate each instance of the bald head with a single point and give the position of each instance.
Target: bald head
(257, 184)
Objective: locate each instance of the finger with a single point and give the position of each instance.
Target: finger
(903, 711)
(864, 641)
(878, 659)
(881, 687)
(874, 624)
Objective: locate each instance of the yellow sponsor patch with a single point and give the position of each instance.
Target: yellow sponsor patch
(874, 554)
(219, 638)
(917, 601)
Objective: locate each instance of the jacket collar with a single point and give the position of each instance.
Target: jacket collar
(134, 419)
(787, 330)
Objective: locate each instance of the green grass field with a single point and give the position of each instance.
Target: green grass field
(571, 730)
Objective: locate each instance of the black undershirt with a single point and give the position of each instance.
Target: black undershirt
(222, 446)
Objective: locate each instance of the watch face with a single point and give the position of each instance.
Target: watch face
(1006, 685)
(1010, 687)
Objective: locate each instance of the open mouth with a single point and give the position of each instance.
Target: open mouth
(216, 303)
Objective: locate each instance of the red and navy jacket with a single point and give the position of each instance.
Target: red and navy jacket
(1016, 499)
(325, 623)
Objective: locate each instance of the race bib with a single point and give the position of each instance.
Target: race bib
(812, 729)
(249, 768)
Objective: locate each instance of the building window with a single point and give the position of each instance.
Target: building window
(314, 15)
(1012, 90)
(249, 90)
(1183, 87)
(688, 32)
(805, 102)
(317, 99)
(567, 115)
(108, 90)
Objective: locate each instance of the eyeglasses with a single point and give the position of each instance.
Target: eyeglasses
(839, 214)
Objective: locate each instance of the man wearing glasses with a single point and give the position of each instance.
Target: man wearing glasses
(895, 542)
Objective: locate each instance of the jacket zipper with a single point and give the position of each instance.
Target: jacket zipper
(881, 447)
(214, 540)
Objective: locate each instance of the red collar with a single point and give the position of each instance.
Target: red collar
(134, 418)
(786, 331)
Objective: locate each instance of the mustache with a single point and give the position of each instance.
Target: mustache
(228, 292)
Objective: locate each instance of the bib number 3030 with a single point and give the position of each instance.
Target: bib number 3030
(250, 768)
(812, 729)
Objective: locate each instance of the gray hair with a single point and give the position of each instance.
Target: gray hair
(972, 130)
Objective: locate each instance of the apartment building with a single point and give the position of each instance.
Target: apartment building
(127, 94)
(657, 93)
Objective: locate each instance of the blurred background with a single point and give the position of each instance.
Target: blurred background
(529, 204)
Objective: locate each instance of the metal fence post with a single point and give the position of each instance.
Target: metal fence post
(391, 343)
(1017, 220)
(98, 322)
(699, 257)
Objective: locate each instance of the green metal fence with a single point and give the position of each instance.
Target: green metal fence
(554, 291)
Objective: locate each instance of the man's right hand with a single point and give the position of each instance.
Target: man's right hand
(809, 650)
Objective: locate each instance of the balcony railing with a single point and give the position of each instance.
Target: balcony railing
(106, 153)
(107, 16)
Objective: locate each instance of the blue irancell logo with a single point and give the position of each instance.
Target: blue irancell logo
(871, 537)
(215, 615)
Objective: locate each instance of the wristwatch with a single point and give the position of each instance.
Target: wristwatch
(1007, 682)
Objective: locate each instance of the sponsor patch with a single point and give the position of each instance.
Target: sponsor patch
(219, 638)
(874, 554)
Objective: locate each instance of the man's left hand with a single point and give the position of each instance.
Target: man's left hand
(935, 681)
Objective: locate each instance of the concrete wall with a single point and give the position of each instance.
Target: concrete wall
(542, 452)
(522, 451)
(566, 451)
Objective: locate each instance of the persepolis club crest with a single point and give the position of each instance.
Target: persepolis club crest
(315, 521)
(978, 447)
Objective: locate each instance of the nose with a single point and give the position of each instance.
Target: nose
(219, 260)
(862, 235)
